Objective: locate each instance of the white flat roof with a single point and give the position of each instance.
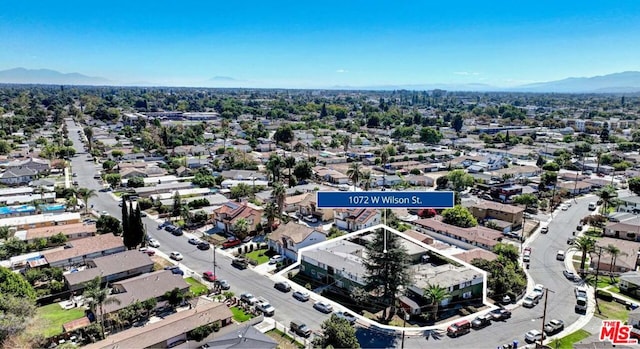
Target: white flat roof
(39, 218)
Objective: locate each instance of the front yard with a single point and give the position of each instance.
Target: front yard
(284, 341)
(196, 288)
(567, 342)
(612, 311)
(239, 315)
(54, 317)
(258, 255)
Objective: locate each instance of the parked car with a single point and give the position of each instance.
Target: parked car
(175, 269)
(240, 262)
(204, 246)
(276, 259)
(500, 314)
(544, 230)
(301, 296)
(530, 301)
(154, 243)
(569, 275)
(459, 328)
(176, 256)
(310, 219)
(147, 250)
(564, 207)
(347, 316)
(482, 321)
(282, 286)
(560, 255)
(265, 307)
(300, 328)
(538, 290)
(177, 232)
(194, 241)
(209, 276)
(554, 326)
(533, 335)
(224, 284)
(323, 307)
(170, 227)
(248, 298)
(231, 242)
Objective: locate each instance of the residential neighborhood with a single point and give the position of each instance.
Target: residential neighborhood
(149, 218)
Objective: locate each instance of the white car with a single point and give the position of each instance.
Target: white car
(564, 207)
(176, 256)
(532, 336)
(323, 307)
(538, 290)
(154, 243)
(530, 301)
(276, 259)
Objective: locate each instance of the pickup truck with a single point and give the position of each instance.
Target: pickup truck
(554, 326)
(240, 262)
(265, 307)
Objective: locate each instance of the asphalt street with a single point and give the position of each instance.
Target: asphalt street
(287, 308)
(545, 269)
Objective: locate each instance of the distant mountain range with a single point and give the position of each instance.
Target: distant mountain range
(47, 76)
(624, 82)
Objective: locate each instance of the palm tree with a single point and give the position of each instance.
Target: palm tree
(355, 173)
(366, 180)
(241, 228)
(274, 164)
(384, 157)
(279, 193)
(289, 163)
(614, 252)
(585, 245)
(270, 212)
(607, 194)
(86, 194)
(436, 294)
(99, 298)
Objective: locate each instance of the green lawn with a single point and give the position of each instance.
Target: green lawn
(568, 341)
(259, 256)
(612, 311)
(54, 317)
(196, 288)
(605, 281)
(239, 314)
(284, 341)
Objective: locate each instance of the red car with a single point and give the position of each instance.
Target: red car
(147, 250)
(231, 242)
(208, 275)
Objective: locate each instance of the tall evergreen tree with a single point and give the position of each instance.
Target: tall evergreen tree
(387, 266)
(129, 235)
(125, 217)
(139, 232)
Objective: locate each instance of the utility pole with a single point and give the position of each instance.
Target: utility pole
(214, 262)
(544, 314)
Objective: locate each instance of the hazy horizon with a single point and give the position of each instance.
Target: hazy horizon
(328, 44)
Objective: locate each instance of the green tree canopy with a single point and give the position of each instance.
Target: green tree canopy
(460, 180)
(459, 216)
(336, 333)
(430, 135)
(16, 285)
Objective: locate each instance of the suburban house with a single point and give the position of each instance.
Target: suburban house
(476, 253)
(292, 203)
(77, 252)
(245, 337)
(575, 188)
(230, 212)
(18, 176)
(110, 268)
(627, 230)
(625, 261)
(143, 287)
(629, 204)
(353, 219)
(466, 238)
(630, 283)
(518, 171)
(171, 331)
(36, 164)
(71, 231)
(131, 172)
(490, 210)
(308, 207)
(41, 220)
(329, 175)
(287, 239)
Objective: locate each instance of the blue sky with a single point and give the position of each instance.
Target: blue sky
(323, 43)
